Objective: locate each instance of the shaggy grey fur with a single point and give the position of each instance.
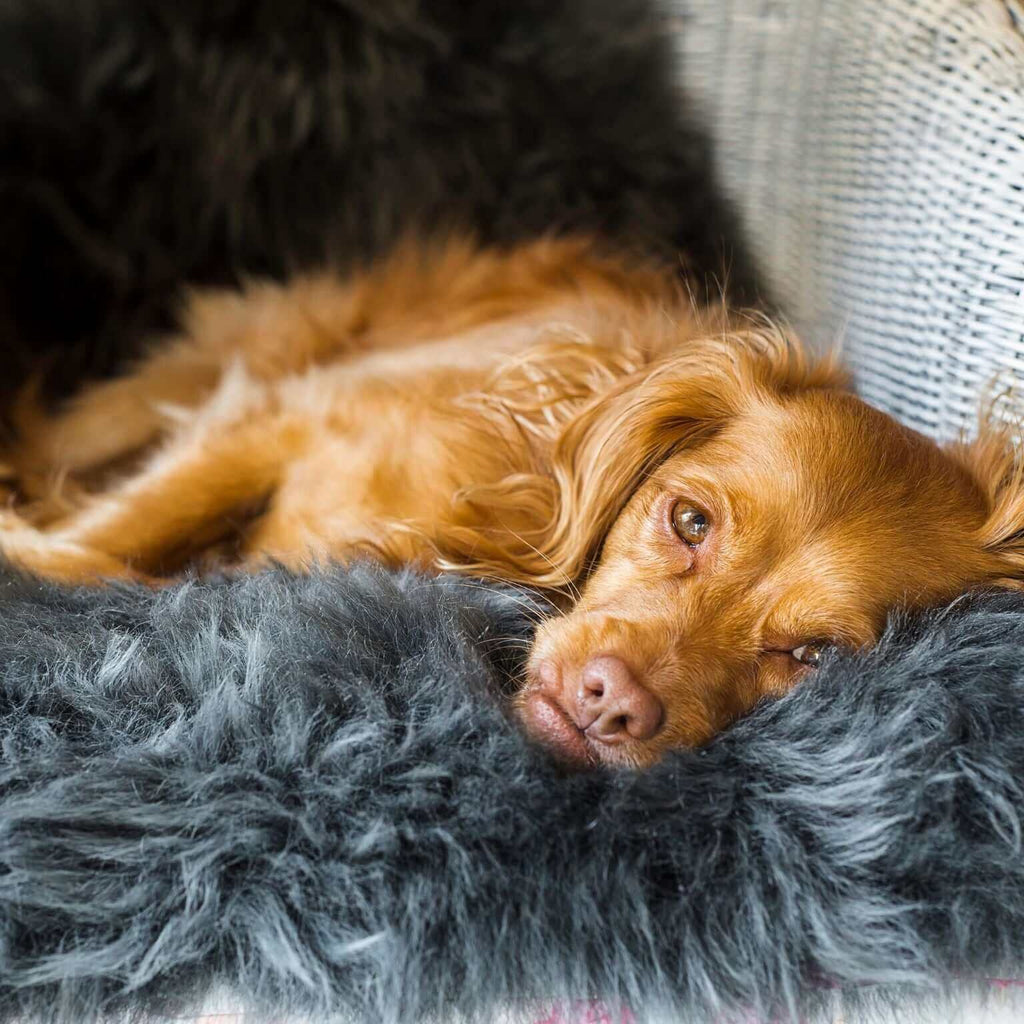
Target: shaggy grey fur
(305, 789)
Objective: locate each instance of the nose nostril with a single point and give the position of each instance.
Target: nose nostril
(614, 706)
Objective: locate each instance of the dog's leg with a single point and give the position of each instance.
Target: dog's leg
(108, 421)
(182, 501)
(24, 547)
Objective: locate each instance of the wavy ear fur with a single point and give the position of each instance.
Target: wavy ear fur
(605, 418)
(994, 459)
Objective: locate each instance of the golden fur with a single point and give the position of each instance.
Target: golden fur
(532, 415)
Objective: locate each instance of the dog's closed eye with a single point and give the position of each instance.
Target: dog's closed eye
(809, 654)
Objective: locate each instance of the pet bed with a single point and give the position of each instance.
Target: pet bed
(304, 791)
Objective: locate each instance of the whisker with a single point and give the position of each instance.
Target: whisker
(574, 591)
(532, 613)
(505, 643)
(493, 649)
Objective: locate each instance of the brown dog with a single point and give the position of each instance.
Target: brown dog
(713, 509)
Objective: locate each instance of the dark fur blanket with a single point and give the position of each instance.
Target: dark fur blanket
(145, 145)
(305, 790)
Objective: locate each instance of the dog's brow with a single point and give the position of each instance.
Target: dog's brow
(794, 619)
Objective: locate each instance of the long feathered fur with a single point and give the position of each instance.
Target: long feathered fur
(601, 414)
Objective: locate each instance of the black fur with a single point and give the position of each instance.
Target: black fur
(147, 144)
(302, 789)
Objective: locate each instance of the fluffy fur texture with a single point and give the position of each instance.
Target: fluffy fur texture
(175, 812)
(147, 145)
(541, 415)
(301, 789)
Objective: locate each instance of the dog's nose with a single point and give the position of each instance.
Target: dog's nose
(613, 705)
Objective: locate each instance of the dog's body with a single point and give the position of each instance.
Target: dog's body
(331, 420)
(547, 415)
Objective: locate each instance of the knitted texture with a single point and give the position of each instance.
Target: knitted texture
(876, 150)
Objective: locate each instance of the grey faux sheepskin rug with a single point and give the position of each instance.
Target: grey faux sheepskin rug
(306, 790)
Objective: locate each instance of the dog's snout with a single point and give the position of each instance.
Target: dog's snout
(613, 705)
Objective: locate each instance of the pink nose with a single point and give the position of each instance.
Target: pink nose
(613, 706)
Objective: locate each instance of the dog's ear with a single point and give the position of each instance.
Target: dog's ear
(996, 461)
(610, 446)
(603, 417)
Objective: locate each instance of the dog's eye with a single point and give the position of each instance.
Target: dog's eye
(690, 524)
(810, 654)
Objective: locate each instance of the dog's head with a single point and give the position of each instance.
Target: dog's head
(741, 514)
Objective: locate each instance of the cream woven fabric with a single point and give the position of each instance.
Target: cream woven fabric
(875, 149)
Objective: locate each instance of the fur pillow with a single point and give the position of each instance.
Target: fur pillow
(305, 790)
